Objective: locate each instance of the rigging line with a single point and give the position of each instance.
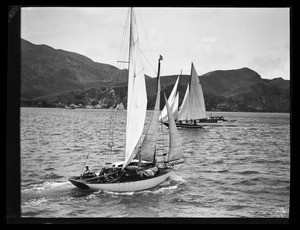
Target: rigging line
(122, 50)
(162, 138)
(146, 36)
(114, 77)
(148, 62)
(123, 35)
(111, 140)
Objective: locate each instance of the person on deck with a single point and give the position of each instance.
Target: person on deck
(86, 170)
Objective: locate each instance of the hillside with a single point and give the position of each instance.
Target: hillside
(45, 70)
(52, 77)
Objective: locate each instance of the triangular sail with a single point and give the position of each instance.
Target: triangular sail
(149, 142)
(137, 97)
(163, 116)
(175, 149)
(175, 106)
(182, 115)
(196, 99)
(120, 106)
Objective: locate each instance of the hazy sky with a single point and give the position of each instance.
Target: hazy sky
(211, 38)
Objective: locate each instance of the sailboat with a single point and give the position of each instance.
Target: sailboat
(173, 101)
(120, 106)
(140, 169)
(192, 113)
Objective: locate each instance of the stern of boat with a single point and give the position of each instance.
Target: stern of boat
(79, 183)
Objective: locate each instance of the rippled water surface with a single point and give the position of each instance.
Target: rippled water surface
(239, 171)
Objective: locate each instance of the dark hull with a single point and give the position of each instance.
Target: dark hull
(130, 184)
(185, 125)
(78, 183)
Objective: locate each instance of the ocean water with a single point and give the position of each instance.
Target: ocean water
(241, 171)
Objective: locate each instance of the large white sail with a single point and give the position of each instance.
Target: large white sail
(163, 116)
(137, 96)
(182, 115)
(175, 149)
(196, 99)
(193, 105)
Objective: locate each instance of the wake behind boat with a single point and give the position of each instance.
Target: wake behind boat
(140, 169)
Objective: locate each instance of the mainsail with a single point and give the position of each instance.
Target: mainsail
(182, 115)
(137, 96)
(163, 116)
(149, 143)
(193, 106)
(175, 106)
(175, 149)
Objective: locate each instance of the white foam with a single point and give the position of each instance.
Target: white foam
(119, 193)
(37, 202)
(155, 192)
(46, 185)
(177, 178)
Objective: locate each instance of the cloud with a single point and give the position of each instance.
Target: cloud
(208, 40)
(211, 51)
(271, 67)
(266, 63)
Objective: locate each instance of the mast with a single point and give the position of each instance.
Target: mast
(148, 146)
(158, 71)
(130, 36)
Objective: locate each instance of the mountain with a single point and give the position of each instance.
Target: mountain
(45, 71)
(237, 90)
(51, 77)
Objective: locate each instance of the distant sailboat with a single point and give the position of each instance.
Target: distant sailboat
(140, 169)
(173, 101)
(193, 112)
(120, 106)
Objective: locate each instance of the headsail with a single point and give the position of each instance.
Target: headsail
(175, 106)
(164, 117)
(182, 115)
(137, 96)
(175, 149)
(149, 142)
